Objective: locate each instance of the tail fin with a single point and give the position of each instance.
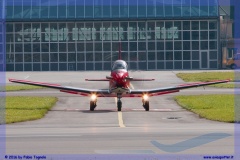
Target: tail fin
(119, 51)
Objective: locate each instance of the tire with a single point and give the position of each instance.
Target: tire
(233, 66)
(92, 105)
(146, 106)
(119, 106)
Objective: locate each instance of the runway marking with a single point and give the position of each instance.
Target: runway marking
(190, 143)
(26, 77)
(120, 120)
(120, 117)
(132, 87)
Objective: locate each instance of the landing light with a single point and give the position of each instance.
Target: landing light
(93, 97)
(145, 97)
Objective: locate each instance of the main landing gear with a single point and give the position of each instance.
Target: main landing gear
(93, 102)
(119, 103)
(145, 100)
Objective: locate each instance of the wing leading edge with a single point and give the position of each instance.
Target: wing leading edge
(67, 89)
(167, 90)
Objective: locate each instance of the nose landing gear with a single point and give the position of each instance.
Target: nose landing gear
(119, 102)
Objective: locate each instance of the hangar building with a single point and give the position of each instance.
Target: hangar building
(65, 35)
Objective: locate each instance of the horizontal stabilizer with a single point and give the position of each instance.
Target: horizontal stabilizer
(137, 79)
(96, 79)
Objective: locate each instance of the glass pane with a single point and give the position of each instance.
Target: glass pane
(204, 44)
(212, 25)
(186, 45)
(169, 65)
(213, 55)
(27, 57)
(151, 56)
(142, 46)
(195, 55)
(151, 8)
(195, 8)
(195, 45)
(178, 45)
(62, 57)
(213, 44)
(141, 8)
(89, 8)
(106, 8)
(80, 9)
(168, 10)
(204, 35)
(178, 55)
(115, 8)
(195, 25)
(169, 55)
(53, 57)
(186, 55)
(142, 56)
(178, 65)
(212, 34)
(159, 9)
(71, 8)
(177, 10)
(186, 8)
(169, 45)
(204, 25)
(45, 57)
(160, 55)
(195, 35)
(204, 7)
(133, 10)
(53, 11)
(186, 25)
(151, 65)
(123, 8)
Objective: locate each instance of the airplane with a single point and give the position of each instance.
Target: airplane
(119, 86)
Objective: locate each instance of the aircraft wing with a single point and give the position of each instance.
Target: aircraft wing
(167, 90)
(66, 89)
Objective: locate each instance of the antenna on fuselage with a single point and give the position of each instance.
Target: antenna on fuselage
(119, 51)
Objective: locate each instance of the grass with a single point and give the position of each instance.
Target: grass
(19, 109)
(208, 76)
(212, 107)
(21, 87)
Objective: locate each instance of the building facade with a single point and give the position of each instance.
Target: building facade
(64, 35)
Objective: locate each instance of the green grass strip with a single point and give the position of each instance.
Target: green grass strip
(21, 87)
(19, 109)
(212, 107)
(208, 76)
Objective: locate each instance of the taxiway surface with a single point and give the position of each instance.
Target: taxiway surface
(70, 128)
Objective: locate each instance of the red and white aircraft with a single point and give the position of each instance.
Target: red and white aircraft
(119, 86)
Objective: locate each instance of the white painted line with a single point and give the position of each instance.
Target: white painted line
(26, 77)
(132, 87)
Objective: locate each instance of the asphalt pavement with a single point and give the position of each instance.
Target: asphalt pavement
(70, 128)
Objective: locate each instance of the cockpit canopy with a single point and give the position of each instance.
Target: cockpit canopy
(119, 64)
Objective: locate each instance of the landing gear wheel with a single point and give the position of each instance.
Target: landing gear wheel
(119, 105)
(92, 105)
(146, 105)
